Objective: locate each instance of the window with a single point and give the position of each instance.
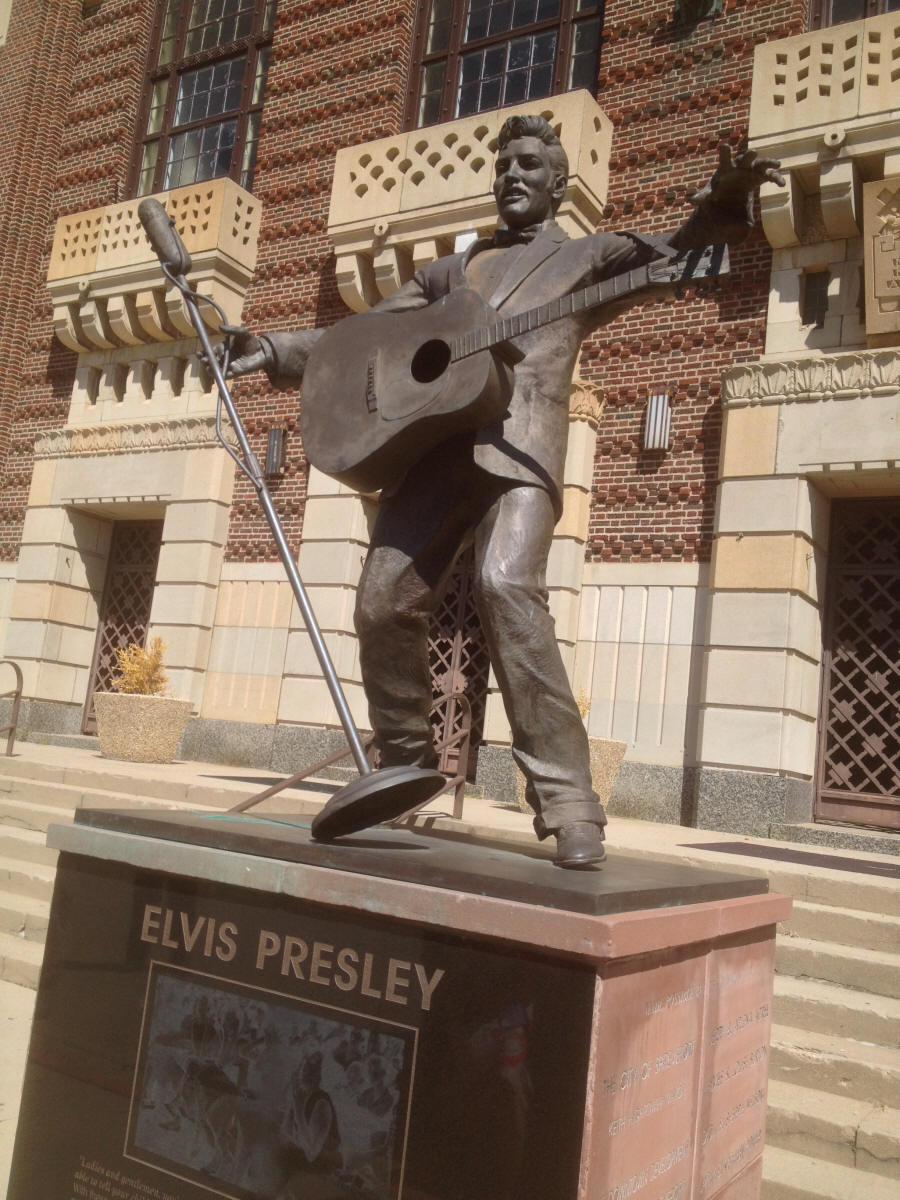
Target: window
(476, 55)
(835, 12)
(203, 101)
(814, 298)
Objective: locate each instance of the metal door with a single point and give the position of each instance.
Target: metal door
(459, 662)
(126, 603)
(858, 776)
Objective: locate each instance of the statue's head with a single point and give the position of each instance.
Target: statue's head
(531, 171)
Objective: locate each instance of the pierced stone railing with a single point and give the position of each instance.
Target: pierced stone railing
(825, 103)
(400, 202)
(105, 281)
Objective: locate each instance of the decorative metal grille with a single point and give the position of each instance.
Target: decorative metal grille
(459, 662)
(127, 598)
(859, 758)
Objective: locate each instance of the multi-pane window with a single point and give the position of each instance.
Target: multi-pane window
(206, 80)
(476, 55)
(834, 12)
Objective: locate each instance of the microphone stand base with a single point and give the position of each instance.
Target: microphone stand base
(371, 799)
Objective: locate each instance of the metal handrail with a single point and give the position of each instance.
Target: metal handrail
(16, 693)
(461, 738)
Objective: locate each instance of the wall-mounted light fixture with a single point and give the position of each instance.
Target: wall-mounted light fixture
(657, 419)
(276, 453)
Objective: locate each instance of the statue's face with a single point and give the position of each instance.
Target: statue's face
(526, 184)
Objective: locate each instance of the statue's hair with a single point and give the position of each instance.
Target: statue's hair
(534, 126)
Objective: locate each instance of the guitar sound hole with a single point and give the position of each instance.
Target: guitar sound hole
(430, 361)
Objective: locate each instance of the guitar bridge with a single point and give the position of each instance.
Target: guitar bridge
(371, 397)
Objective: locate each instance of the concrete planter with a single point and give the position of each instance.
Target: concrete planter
(140, 728)
(606, 759)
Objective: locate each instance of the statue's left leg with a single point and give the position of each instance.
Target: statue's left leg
(550, 743)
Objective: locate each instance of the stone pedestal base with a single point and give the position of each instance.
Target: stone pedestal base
(227, 1008)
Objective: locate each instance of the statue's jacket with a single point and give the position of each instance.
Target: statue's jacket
(528, 444)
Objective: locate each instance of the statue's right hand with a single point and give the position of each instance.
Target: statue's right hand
(248, 353)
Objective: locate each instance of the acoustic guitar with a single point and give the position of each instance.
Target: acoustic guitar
(382, 389)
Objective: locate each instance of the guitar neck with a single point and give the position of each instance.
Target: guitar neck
(487, 336)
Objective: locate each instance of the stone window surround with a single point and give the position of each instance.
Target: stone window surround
(5, 12)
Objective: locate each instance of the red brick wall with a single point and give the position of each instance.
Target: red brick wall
(338, 76)
(673, 94)
(69, 94)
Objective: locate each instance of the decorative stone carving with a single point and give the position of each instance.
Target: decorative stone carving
(188, 433)
(833, 377)
(105, 280)
(882, 258)
(400, 201)
(821, 101)
(586, 402)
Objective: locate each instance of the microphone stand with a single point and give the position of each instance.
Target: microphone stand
(375, 796)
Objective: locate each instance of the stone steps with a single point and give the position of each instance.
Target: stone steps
(20, 960)
(24, 916)
(861, 968)
(846, 926)
(831, 1063)
(25, 845)
(825, 1007)
(830, 1128)
(790, 1176)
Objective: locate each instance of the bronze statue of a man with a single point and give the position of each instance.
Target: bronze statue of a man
(500, 489)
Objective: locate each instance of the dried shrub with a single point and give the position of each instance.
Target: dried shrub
(141, 670)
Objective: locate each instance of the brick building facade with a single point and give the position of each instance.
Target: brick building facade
(104, 424)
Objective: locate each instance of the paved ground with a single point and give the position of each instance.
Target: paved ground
(16, 1006)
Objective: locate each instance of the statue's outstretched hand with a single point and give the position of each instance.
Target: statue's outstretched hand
(727, 200)
(248, 353)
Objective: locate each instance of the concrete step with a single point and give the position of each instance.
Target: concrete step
(28, 814)
(838, 1129)
(52, 782)
(838, 837)
(831, 1063)
(789, 1176)
(33, 880)
(849, 927)
(22, 813)
(876, 971)
(20, 960)
(829, 1008)
(24, 916)
(26, 845)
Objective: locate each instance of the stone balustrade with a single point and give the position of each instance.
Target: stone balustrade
(106, 284)
(400, 202)
(825, 104)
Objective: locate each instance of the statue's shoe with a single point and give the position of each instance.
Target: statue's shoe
(578, 845)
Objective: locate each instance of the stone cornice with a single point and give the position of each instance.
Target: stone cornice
(812, 379)
(188, 433)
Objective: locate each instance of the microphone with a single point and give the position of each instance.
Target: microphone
(163, 236)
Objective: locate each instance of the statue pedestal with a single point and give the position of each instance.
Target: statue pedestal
(228, 1008)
